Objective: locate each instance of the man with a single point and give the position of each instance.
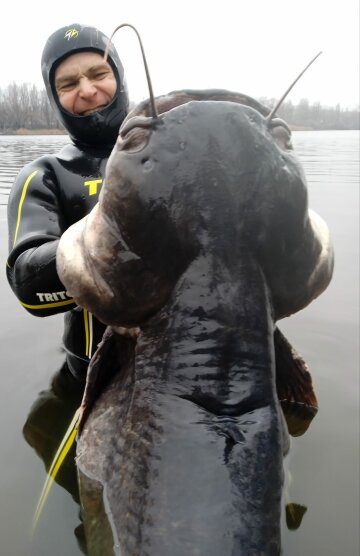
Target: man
(89, 97)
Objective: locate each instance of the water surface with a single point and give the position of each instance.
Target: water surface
(323, 464)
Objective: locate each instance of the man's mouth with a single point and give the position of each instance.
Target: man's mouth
(92, 110)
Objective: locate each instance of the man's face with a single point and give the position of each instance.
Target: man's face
(85, 83)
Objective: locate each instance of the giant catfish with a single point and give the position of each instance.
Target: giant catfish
(201, 241)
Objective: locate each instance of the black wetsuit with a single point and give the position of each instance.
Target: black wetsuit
(48, 196)
(55, 191)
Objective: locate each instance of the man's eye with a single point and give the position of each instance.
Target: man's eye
(67, 86)
(101, 74)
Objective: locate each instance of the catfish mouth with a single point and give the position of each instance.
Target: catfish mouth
(142, 117)
(142, 122)
(135, 135)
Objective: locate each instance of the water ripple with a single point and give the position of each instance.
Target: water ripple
(16, 151)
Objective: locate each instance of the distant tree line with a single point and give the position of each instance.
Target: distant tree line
(316, 116)
(26, 106)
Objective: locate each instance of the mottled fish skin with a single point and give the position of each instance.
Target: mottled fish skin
(196, 433)
(203, 239)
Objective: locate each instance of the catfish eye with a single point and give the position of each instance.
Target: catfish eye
(281, 133)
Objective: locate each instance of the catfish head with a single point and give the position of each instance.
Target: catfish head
(209, 175)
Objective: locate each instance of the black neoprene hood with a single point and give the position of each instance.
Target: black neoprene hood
(101, 128)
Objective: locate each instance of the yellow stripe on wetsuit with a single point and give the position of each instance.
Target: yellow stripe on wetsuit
(86, 325)
(22, 199)
(48, 305)
(88, 333)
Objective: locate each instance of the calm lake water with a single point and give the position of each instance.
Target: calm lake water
(323, 463)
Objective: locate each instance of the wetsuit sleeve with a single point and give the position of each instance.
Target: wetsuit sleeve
(35, 224)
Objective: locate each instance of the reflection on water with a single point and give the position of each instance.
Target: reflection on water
(322, 468)
(45, 427)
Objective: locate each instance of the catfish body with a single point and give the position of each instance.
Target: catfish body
(202, 240)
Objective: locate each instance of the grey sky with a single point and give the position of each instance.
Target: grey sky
(256, 47)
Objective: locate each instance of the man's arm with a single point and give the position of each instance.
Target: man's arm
(35, 224)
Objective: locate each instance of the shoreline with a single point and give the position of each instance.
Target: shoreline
(25, 131)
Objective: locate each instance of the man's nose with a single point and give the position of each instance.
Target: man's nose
(87, 88)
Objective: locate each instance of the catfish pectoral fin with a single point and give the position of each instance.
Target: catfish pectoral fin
(298, 417)
(294, 515)
(294, 386)
(112, 348)
(293, 378)
(94, 377)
